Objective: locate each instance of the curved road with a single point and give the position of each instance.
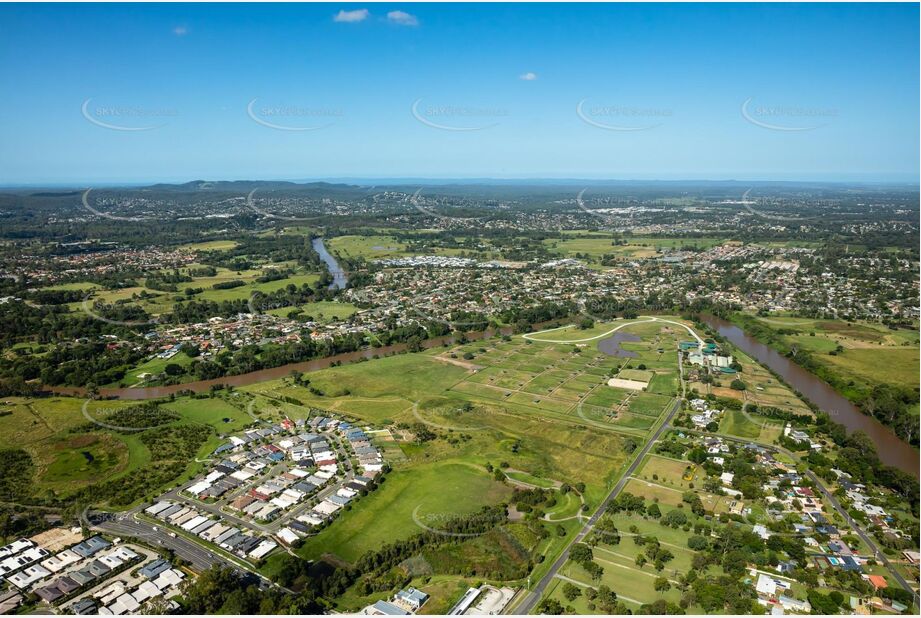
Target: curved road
(530, 336)
(880, 556)
(529, 602)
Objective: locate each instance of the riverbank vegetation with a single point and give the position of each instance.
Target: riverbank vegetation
(874, 366)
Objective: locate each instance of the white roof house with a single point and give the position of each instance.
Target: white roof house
(263, 549)
(288, 535)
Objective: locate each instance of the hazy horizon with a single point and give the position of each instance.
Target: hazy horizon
(134, 94)
(471, 180)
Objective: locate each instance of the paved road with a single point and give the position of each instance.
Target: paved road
(125, 577)
(880, 556)
(527, 606)
(216, 508)
(200, 558)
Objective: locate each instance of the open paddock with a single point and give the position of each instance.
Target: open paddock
(652, 490)
(608, 397)
(667, 471)
(649, 404)
(427, 494)
(754, 427)
(637, 375)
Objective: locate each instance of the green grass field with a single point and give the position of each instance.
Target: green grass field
(76, 285)
(75, 461)
(211, 245)
(378, 247)
(321, 311)
(667, 471)
(633, 584)
(737, 424)
(542, 429)
(158, 302)
(866, 353)
(872, 366)
(434, 493)
(530, 479)
(575, 334)
(154, 366)
(759, 428)
(595, 245)
(70, 453)
(217, 412)
(368, 247)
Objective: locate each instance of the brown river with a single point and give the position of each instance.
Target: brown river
(274, 373)
(891, 449)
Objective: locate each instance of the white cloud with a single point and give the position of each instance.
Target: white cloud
(180, 30)
(403, 18)
(351, 17)
(528, 77)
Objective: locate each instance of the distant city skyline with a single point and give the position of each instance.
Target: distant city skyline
(169, 93)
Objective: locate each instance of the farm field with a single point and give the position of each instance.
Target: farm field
(211, 245)
(856, 355)
(158, 302)
(872, 366)
(574, 334)
(540, 436)
(373, 247)
(593, 246)
(245, 291)
(559, 378)
(412, 389)
(384, 245)
(548, 379)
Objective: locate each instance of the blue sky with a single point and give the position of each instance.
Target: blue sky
(644, 91)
